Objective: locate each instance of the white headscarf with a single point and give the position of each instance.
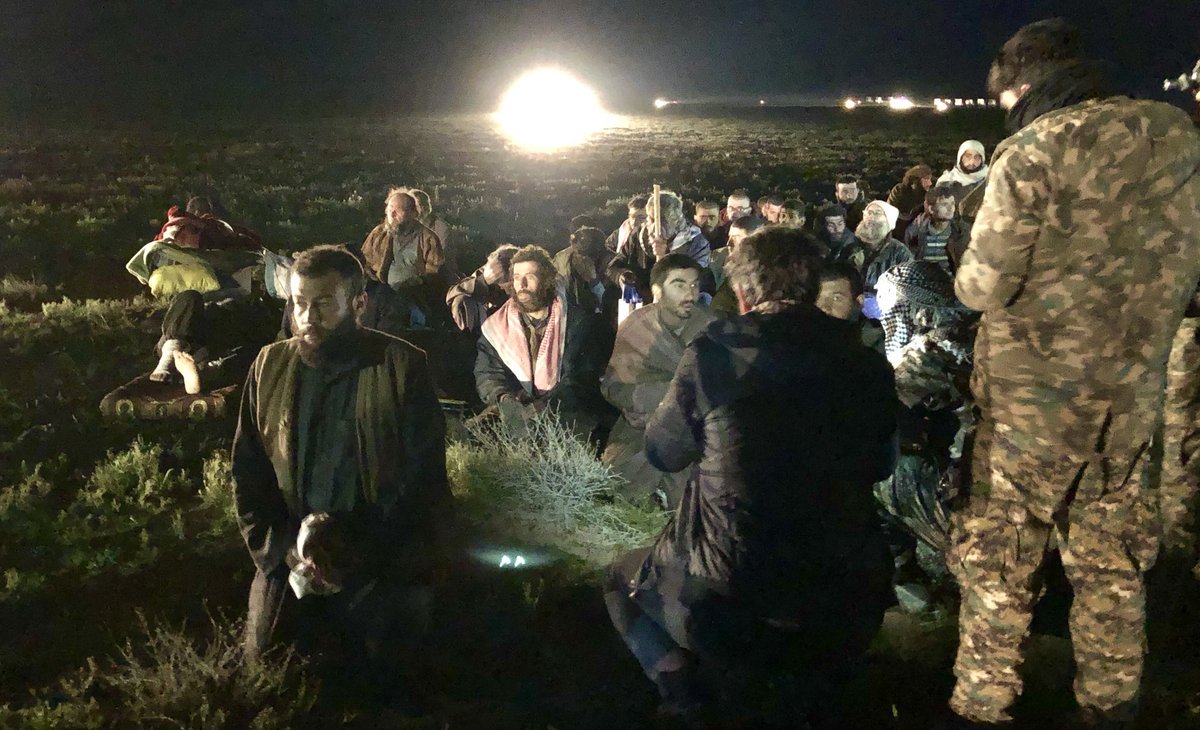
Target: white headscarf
(957, 175)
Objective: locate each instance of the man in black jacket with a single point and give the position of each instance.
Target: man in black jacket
(787, 422)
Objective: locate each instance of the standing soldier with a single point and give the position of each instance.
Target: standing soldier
(1083, 259)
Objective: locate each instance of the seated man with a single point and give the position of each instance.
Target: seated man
(938, 234)
(339, 425)
(724, 301)
(775, 553)
(673, 234)
(848, 195)
(208, 345)
(405, 254)
(541, 350)
(773, 207)
(832, 230)
(475, 298)
(581, 266)
(210, 232)
(968, 178)
(708, 219)
(631, 227)
(908, 196)
(438, 225)
(649, 345)
(791, 214)
(874, 251)
(842, 297)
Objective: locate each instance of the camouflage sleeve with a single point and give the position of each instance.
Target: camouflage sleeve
(996, 263)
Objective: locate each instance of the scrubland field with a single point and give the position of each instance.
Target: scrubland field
(122, 575)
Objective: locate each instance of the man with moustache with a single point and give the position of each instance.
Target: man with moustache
(874, 251)
(650, 343)
(339, 427)
(541, 349)
(408, 256)
(938, 234)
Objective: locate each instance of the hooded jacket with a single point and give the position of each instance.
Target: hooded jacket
(967, 186)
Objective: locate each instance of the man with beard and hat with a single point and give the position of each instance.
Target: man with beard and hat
(339, 425)
(407, 255)
(1083, 260)
(938, 234)
(672, 234)
(540, 349)
(774, 559)
(649, 344)
(874, 251)
(967, 178)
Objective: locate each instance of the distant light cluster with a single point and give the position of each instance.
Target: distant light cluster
(904, 103)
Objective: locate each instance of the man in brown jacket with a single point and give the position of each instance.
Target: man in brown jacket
(407, 255)
(340, 423)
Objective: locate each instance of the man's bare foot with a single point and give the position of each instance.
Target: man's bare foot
(186, 365)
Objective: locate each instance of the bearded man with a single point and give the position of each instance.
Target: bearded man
(540, 349)
(874, 251)
(650, 343)
(967, 178)
(402, 250)
(339, 425)
(938, 234)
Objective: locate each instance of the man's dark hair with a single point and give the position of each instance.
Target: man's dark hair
(708, 205)
(938, 191)
(833, 210)
(794, 205)
(843, 270)
(582, 221)
(327, 258)
(914, 174)
(504, 254)
(846, 179)
(760, 202)
(1033, 51)
(588, 240)
(776, 263)
(747, 223)
(199, 205)
(672, 262)
(639, 202)
(775, 199)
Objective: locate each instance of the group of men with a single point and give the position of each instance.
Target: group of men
(767, 426)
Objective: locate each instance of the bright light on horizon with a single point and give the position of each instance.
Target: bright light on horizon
(548, 109)
(900, 103)
(850, 104)
(661, 103)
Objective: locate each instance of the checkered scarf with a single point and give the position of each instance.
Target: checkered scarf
(925, 300)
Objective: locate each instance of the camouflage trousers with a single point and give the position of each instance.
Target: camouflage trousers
(1026, 500)
(1180, 483)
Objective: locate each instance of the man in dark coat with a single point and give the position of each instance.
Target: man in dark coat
(541, 349)
(339, 425)
(775, 542)
(939, 233)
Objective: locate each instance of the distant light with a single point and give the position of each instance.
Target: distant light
(850, 104)
(900, 103)
(981, 102)
(940, 105)
(548, 109)
(661, 103)
(762, 101)
(970, 102)
(958, 102)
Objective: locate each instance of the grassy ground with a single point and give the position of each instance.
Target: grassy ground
(121, 575)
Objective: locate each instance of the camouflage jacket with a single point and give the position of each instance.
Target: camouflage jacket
(1084, 254)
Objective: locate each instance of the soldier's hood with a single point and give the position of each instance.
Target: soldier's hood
(1152, 148)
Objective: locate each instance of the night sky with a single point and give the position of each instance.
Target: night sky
(68, 58)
